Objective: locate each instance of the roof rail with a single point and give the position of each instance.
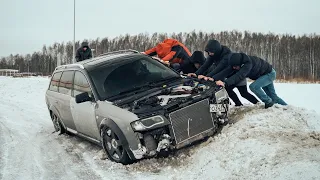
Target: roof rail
(69, 66)
(119, 52)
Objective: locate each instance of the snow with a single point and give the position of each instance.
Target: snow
(277, 143)
(299, 95)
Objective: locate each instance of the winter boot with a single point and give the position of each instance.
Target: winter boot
(238, 105)
(269, 104)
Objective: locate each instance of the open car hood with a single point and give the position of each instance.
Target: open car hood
(165, 99)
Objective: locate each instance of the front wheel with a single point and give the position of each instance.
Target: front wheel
(113, 146)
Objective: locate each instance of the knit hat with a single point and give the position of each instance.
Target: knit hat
(213, 46)
(197, 57)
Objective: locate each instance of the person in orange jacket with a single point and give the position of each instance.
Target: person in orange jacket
(174, 53)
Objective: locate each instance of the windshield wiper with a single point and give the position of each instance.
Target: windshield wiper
(163, 81)
(130, 91)
(138, 89)
(134, 89)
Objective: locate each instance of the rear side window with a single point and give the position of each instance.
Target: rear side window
(81, 84)
(65, 85)
(55, 82)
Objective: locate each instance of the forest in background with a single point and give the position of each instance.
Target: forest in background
(293, 57)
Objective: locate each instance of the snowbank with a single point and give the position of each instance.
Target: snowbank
(278, 143)
(274, 144)
(299, 95)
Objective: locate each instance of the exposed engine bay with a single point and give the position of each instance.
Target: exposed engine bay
(192, 109)
(172, 98)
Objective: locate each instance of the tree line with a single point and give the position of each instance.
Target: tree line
(294, 57)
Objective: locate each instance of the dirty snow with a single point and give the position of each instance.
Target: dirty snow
(278, 143)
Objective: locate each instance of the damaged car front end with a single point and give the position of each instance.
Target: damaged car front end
(180, 113)
(153, 109)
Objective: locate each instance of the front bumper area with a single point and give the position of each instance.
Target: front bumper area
(187, 125)
(192, 123)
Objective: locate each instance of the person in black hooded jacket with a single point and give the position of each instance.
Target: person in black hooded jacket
(84, 52)
(256, 69)
(216, 62)
(216, 52)
(197, 60)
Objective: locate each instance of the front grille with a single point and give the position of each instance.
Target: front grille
(191, 121)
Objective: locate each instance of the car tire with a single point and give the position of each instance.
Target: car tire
(113, 146)
(163, 154)
(57, 124)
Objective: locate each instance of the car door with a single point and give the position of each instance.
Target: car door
(52, 93)
(84, 113)
(65, 92)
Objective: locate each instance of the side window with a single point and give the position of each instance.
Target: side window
(81, 84)
(55, 82)
(65, 85)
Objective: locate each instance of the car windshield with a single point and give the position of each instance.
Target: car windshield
(133, 74)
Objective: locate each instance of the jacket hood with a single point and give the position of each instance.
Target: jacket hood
(235, 59)
(224, 51)
(213, 46)
(197, 57)
(84, 44)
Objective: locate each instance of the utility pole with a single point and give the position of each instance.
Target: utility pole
(74, 31)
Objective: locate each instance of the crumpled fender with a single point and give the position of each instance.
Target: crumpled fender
(129, 139)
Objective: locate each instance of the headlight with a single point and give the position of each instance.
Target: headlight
(221, 95)
(147, 123)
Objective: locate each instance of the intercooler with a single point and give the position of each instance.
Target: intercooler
(192, 123)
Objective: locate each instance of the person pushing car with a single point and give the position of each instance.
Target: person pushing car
(256, 69)
(217, 60)
(173, 53)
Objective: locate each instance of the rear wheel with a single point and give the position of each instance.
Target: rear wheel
(113, 146)
(57, 124)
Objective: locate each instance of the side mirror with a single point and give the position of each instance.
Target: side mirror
(83, 97)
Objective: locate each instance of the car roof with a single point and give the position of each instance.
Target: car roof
(107, 58)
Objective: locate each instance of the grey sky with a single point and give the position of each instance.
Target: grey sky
(26, 25)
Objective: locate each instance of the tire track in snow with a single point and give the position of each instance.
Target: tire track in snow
(5, 138)
(18, 154)
(34, 152)
(3, 149)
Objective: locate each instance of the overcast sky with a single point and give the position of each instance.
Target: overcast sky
(26, 25)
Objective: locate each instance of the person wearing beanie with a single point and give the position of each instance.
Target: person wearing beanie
(218, 60)
(174, 53)
(197, 59)
(256, 69)
(216, 52)
(84, 52)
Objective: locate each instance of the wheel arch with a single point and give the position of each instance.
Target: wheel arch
(106, 122)
(54, 110)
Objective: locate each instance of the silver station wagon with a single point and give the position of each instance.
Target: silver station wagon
(134, 106)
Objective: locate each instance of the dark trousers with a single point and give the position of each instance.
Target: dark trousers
(186, 67)
(244, 93)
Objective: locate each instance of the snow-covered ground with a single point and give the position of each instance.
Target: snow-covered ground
(299, 95)
(278, 143)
